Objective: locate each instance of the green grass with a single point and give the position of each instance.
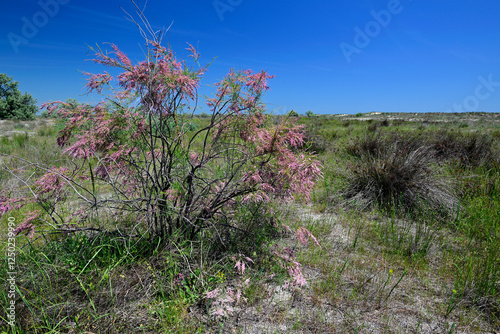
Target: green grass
(75, 282)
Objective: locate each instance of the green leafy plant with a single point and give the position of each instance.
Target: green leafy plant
(14, 104)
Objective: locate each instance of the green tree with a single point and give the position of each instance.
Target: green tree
(14, 104)
(293, 113)
(309, 113)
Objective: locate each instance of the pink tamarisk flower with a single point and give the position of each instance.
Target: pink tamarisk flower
(303, 234)
(27, 225)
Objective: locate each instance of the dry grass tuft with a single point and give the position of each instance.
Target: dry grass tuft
(396, 173)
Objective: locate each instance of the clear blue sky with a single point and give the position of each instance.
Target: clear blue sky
(328, 56)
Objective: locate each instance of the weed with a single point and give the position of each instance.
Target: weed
(46, 131)
(20, 139)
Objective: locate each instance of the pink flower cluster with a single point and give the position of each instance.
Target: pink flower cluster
(303, 234)
(27, 225)
(297, 278)
(240, 264)
(286, 259)
(179, 279)
(286, 173)
(277, 170)
(50, 185)
(98, 81)
(224, 300)
(5, 205)
(156, 78)
(240, 92)
(11, 203)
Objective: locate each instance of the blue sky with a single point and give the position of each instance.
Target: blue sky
(328, 56)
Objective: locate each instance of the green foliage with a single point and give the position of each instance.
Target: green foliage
(255, 228)
(292, 113)
(385, 163)
(68, 270)
(309, 113)
(46, 131)
(14, 104)
(86, 252)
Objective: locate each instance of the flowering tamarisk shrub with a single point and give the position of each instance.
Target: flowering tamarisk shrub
(138, 148)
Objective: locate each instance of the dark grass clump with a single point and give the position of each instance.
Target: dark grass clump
(321, 134)
(470, 149)
(372, 144)
(379, 143)
(397, 173)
